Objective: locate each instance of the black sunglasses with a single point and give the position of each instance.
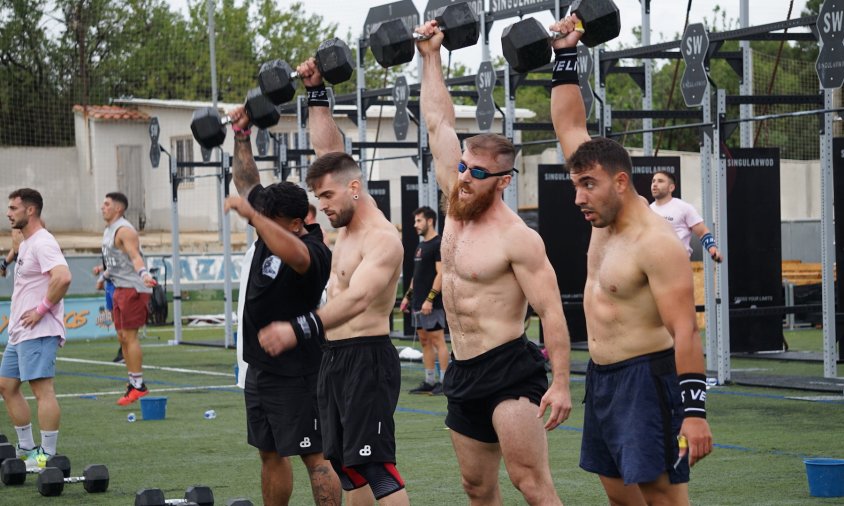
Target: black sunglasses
(482, 173)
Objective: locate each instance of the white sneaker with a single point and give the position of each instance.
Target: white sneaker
(34, 458)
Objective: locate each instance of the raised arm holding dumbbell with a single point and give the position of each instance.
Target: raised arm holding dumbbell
(325, 136)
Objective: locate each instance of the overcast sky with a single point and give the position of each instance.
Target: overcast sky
(667, 17)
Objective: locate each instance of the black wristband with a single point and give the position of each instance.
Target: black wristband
(693, 394)
(565, 67)
(4, 264)
(307, 327)
(317, 96)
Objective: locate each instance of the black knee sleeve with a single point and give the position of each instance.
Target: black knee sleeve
(349, 478)
(383, 477)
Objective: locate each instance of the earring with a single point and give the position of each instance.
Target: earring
(355, 196)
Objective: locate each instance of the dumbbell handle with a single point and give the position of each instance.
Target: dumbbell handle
(74, 479)
(178, 502)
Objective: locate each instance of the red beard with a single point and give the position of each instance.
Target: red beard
(471, 209)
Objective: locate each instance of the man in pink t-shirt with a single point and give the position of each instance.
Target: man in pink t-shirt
(36, 328)
(681, 215)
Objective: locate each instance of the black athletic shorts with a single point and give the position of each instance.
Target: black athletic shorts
(359, 384)
(476, 386)
(281, 413)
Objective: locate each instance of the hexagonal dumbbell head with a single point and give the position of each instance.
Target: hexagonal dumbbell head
(200, 495)
(334, 60)
(601, 20)
(95, 478)
(460, 25)
(262, 113)
(207, 127)
(13, 471)
(392, 43)
(525, 45)
(239, 502)
(277, 81)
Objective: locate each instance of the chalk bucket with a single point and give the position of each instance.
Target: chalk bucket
(826, 477)
(153, 408)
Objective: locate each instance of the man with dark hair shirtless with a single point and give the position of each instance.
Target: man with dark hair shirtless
(640, 317)
(360, 376)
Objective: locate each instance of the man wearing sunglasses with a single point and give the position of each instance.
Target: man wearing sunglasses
(640, 317)
(493, 266)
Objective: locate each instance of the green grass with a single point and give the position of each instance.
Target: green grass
(762, 436)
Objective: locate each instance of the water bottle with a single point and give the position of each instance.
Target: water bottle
(210, 414)
(130, 417)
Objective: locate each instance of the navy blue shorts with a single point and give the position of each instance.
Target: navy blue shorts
(358, 390)
(633, 416)
(475, 387)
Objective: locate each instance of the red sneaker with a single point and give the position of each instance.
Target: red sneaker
(132, 394)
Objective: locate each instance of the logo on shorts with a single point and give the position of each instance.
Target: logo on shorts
(305, 443)
(366, 451)
(271, 266)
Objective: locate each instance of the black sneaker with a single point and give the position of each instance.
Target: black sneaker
(119, 358)
(438, 389)
(424, 389)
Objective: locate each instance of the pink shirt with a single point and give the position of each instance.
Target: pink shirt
(37, 255)
(682, 216)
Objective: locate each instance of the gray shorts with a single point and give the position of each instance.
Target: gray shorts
(433, 321)
(31, 359)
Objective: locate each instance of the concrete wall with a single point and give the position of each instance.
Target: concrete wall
(51, 171)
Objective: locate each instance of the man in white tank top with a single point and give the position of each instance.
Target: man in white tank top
(681, 215)
(125, 267)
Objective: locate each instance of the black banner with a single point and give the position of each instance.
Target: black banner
(644, 168)
(838, 199)
(566, 234)
(755, 252)
(409, 239)
(380, 191)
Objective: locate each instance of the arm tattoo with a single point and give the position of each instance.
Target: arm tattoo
(245, 172)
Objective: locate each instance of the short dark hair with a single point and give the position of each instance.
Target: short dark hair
(426, 211)
(312, 209)
(29, 197)
(283, 200)
(667, 174)
(119, 197)
(332, 163)
(601, 151)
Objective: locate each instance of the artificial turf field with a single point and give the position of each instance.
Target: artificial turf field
(761, 435)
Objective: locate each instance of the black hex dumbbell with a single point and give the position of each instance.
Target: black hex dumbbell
(526, 44)
(3, 438)
(14, 471)
(198, 495)
(239, 502)
(277, 78)
(392, 42)
(94, 479)
(7, 451)
(209, 128)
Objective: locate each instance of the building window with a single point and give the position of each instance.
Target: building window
(183, 147)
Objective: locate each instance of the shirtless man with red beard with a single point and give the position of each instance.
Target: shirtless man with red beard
(493, 266)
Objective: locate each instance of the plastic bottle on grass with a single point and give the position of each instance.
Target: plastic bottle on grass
(210, 414)
(131, 417)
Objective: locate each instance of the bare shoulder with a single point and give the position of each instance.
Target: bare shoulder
(658, 245)
(519, 239)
